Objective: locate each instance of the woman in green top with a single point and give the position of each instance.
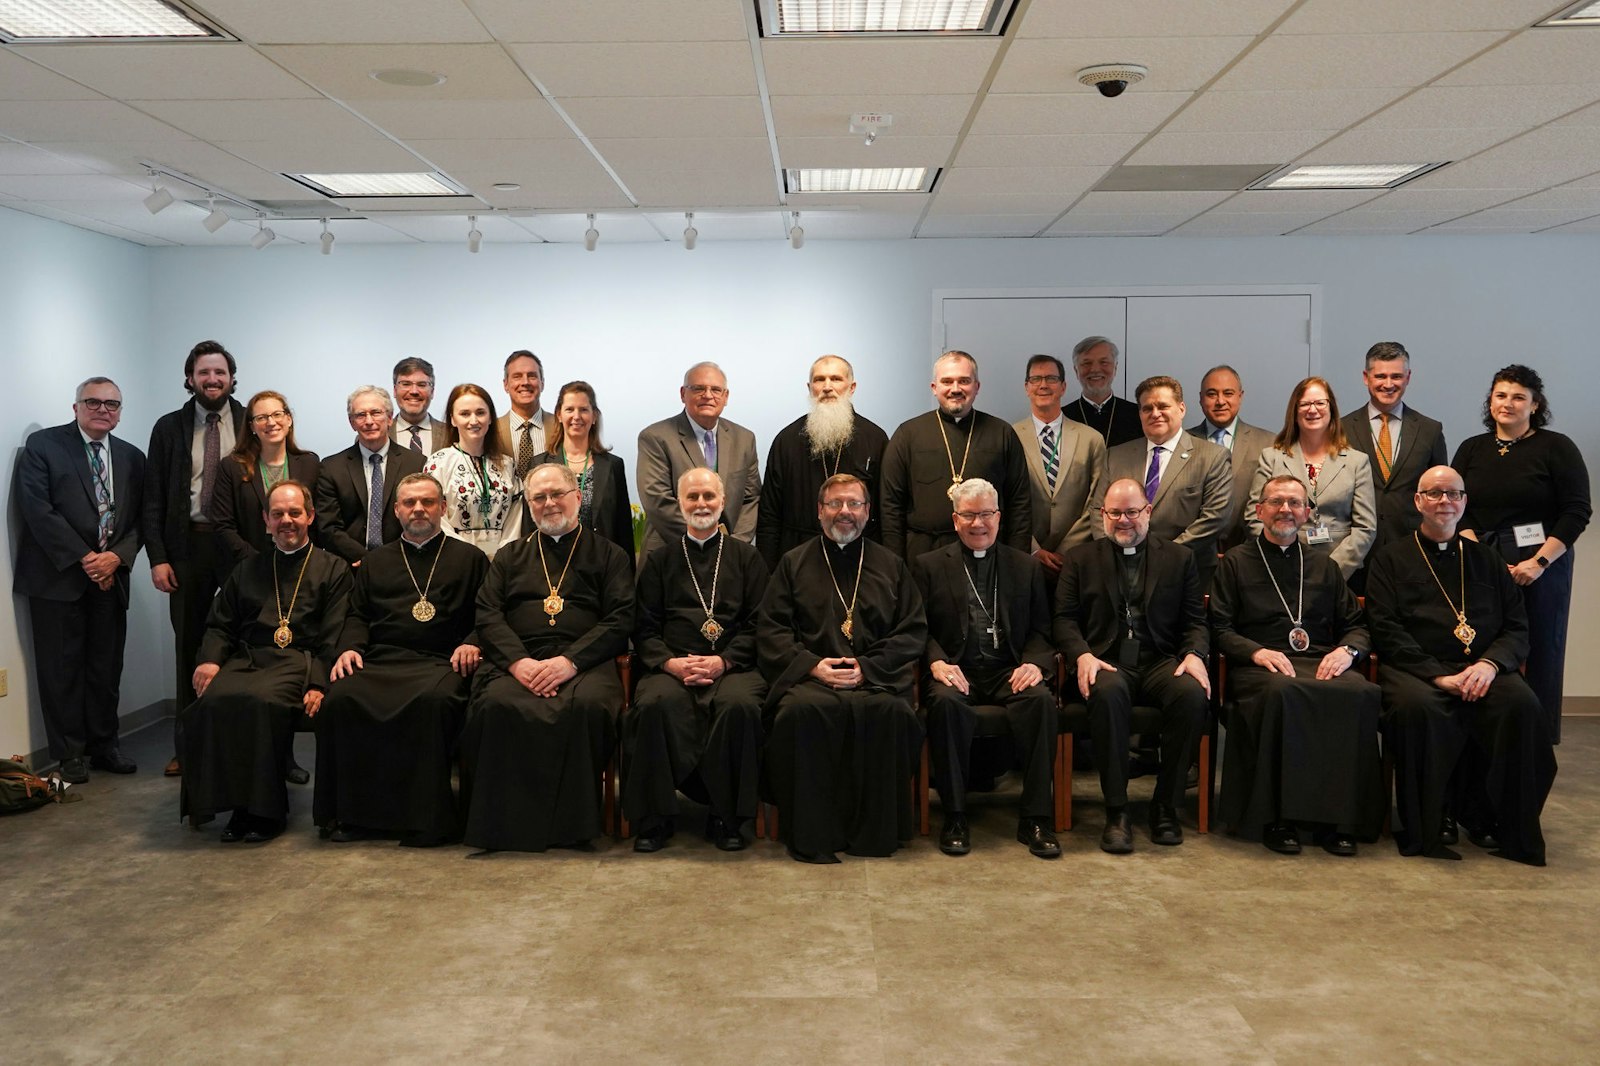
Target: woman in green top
(264, 455)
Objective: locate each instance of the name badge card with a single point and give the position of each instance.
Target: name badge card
(1530, 535)
(1317, 535)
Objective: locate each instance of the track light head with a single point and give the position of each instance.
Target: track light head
(263, 237)
(797, 236)
(216, 219)
(591, 236)
(474, 238)
(327, 239)
(690, 234)
(158, 201)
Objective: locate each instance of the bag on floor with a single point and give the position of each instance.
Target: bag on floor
(21, 789)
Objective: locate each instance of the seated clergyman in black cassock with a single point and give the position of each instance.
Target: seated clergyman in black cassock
(695, 723)
(554, 611)
(387, 729)
(1131, 621)
(839, 636)
(1302, 744)
(1451, 631)
(270, 640)
(988, 614)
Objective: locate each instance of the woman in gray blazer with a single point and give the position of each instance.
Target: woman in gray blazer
(1338, 477)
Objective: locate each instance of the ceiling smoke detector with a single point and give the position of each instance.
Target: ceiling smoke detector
(1111, 78)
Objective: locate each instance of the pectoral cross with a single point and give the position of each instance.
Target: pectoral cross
(994, 635)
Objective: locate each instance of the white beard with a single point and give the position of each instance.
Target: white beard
(555, 527)
(843, 537)
(829, 426)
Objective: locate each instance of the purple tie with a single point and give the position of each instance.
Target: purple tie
(711, 449)
(1152, 478)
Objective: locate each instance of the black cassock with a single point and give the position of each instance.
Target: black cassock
(1298, 750)
(237, 737)
(706, 739)
(1498, 745)
(530, 765)
(387, 733)
(917, 472)
(1117, 421)
(793, 476)
(839, 762)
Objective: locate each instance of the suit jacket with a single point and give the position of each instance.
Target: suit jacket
(1191, 504)
(1345, 502)
(438, 433)
(60, 520)
(668, 448)
(241, 500)
(611, 515)
(1248, 444)
(502, 432)
(1422, 446)
(1062, 519)
(1023, 609)
(168, 472)
(1089, 615)
(341, 499)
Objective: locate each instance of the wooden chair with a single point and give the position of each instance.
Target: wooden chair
(613, 817)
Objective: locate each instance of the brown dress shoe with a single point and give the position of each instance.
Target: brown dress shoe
(174, 768)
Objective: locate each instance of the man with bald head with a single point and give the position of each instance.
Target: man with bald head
(1451, 632)
(1221, 399)
(831, 438)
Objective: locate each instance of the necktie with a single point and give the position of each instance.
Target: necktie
(1047, 452)
(1385, 448)
(710, 447)
(375, 504)
(416, 438)
(1219, 437)
(1152, 477)
(212, 457)
(102, 492)
(525, 450)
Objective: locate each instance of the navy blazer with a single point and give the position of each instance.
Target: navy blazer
(60, 520)
(340, 498)
(168, 473)
(1422, 447)
(241, 501)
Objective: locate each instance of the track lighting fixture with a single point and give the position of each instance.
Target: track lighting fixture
(327, 239)
(591, 236)
(474, 238)
(263, 236)
(690, 234)
(797, 236)
(159, 199)
(216, 219)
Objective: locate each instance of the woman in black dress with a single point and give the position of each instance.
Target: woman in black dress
(1528, 496)
(572, 439)
(264, 455)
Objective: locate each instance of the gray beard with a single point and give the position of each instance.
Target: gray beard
(554, 527)
(843, 537)
(829, 426)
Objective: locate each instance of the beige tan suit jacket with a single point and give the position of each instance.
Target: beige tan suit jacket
(1248, 444)
(1062, 519)
(1345, 501)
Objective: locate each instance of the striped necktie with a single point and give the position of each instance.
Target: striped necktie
(102, 493)
(1385, 448)
(1047, 452)
(1152, 477)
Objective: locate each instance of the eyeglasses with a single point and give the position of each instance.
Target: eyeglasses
(1276, 502)
(270, 416)
(1131, 512)
(375, 414)
(708, 390)
(542, 498)
(1313, 405)
(407, 383)
(976, 516)
(102, 405)
(1435, 495)
(845, 505)
(1042, 379)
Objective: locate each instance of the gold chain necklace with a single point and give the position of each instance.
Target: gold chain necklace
(283, 636)
(848, 626)
(553, 603)
(1463, 632)
(422, 610)
(956, 476)
(712, 629)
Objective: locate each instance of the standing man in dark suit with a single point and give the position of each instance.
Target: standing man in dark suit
(354, 496)
(1094, 360)
(698, 436)
(521, 429)
(1066, 465)
(79, 490)
(186, 451)
(1401, 442)
(1187, 482)
(988, 643)
(416, 428)
(1221, 395)
(1131, 621)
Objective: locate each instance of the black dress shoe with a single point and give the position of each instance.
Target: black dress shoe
(654, 832)
(1165, 829)
(1281, 838)
(1485, 836)
(1448, 833)
(112, 761)
(263, 830)
(1334, 842)
(724, 834)
(236, 828)
(1117, 838)
(74, 771)
(296, 774)
(347, 834)
(1040, 838)
(956, 837)
(821, 858)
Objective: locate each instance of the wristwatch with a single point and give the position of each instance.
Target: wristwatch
(1355, 655)
(1542, 561)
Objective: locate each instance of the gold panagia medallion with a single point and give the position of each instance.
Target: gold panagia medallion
(553, 605)
(283, 636)
(712, 630)
(1465, 633)
(423, 611)
(847, 627)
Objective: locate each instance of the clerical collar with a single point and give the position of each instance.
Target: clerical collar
(297, 551)
(976, 553)
(830, 542)
(1098, 407)
(702, 544)
(1283, 549)
(1439, 545)
(1132, 549)
(954, 419)
(556, 537)
(425, 543)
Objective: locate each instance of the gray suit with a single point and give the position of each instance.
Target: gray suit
(1061, 519)
(1345, 501)
(1248, 444)
(438, 432)
(1192, 501)
(1422, 447)
(668, 448)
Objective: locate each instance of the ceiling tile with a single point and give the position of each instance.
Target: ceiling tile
(1314, 202)
(1535, 57)
(1467, 106)
(1234, 112)
(677, 116)
(304, 156)
(1101, 224)
(472, 71)
(1150, 18)
(1175, 64)
(200, 160)
(461, 119)
(66, 187)
(26, 159)
(1252, 224)
(1061, 182)
(1519, 221)
(851, 151)
(1412, 16)
(1155, 203)
(220, 120)
(874, 65)
(1050, 151)
(1215, 147)
(1588, 116)
(1085, 111)
(686, 153)
(1407, 146)
(717, 68)
(72, 215)
(1586, 225)
(914, 116)
(346, 232)
(75, 120)
(1349, 60)
(1500, 169)
(704, 189)
(613, 20)
(1567, 198)
(613, 229)
(551, 172)
(348, 21)
(1356, 223)
(1415, 198)
(445, 229)
(194, 71)
(1052, 204)
(23, 79)
(841, 225)
(984, 226)
(726, 226)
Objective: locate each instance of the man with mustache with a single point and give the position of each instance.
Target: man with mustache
(839, 635)
(1221, 397)
(554, 612)
(695, 722)
(1094, 360)
(931, 454)
(831, 438)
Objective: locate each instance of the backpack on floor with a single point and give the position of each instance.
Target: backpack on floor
(21, 789)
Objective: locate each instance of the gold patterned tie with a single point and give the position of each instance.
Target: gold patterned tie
(1385, 448)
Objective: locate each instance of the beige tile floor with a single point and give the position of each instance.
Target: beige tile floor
(133, 939)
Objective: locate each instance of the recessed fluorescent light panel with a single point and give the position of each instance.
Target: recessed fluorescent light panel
(1586, 13)
(78, 20)
(355, 185)
(857, 179)
(884, 18)
(1345, 176)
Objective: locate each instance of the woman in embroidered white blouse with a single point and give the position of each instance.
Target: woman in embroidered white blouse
(483, 499)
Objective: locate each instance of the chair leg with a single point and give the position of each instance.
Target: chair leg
(1063, 782)
(1204, 812)
(921, 786)
(771, 812)
(612, 816)
(1388, 790)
